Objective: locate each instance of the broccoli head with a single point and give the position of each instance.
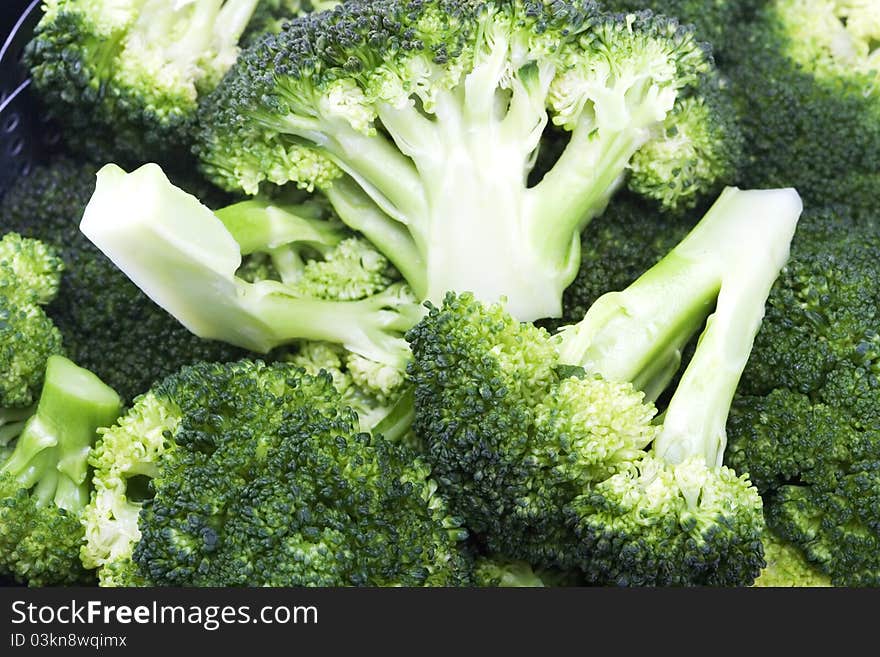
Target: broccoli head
(550, 448)
(108, 325)
(422, 121)
(123, 77)
(804, 78)
(805, 424)
(44, 479)
(249, 474)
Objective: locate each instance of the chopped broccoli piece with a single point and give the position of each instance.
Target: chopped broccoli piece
(124, 77)
(422, 121)
(108, 325)
(257, 475)
(44, 479)
(541, 443)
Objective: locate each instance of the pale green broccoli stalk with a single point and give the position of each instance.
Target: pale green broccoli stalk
(679, 506)
(187, 258)
(422, 121)
(788, 567)
(44, 478)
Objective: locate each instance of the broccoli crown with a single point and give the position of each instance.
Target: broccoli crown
(422, 121)
(123, 77)
(658, 524)
(99, 312)
(787, 567)
(513, 437)
(259, 476)
(805, 422)
(713, 21)
(805, 128)
(44, 483)
(29, 277)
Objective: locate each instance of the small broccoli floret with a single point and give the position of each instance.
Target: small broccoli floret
(541, 444)
(805, 423)
(108, 325)
(804, 78)
(258, 476)
(714, 21)
(190, 268)
(270, 15)
(422, 121)
(123, 77)
(44, 482)
(29, 276)
(787, 567)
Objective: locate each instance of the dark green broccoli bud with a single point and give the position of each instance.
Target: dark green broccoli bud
(258, 476)
(123, 78)
(44, 480)
(541, 443)
(321, 287)
(270, 15)
(804, 78)
(99, 312)
(805, 423)
(422, 121)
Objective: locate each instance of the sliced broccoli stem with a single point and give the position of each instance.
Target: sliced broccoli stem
(637, 335)
(182, 256)
(51, 453)
(695, 420)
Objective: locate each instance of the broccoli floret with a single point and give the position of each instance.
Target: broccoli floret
(257, 475)
(29, 276)
(422, 121)
(44, 482)
(270, 15)
(540, 442)
(108, 325)
(804, 78)
(190, 267)
(787, 567)
(713, 21)
(805, 424)
(123, 77)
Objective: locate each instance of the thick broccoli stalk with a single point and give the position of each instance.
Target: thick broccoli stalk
(44, 478)
(678, 505)
(422, 122)
(259, 476)
(541, 444)
(189, 267)
(804, 424)
(124, 76)
(108, 325)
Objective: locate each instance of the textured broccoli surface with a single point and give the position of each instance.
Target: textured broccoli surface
(258, 476)
(44, 478)
(805, 424)
(804, 77)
